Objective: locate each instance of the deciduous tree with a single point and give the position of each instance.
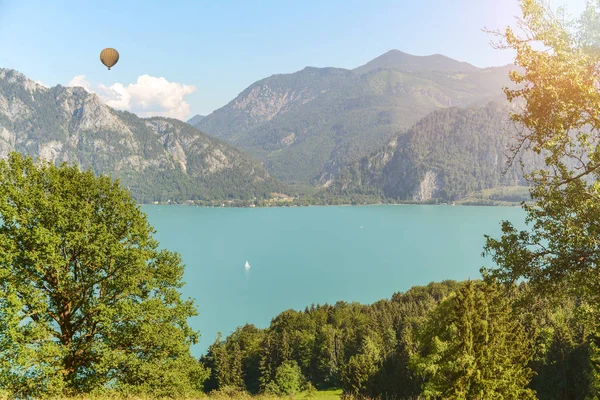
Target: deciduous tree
(558, 99)
(559, 96)
(88, 302)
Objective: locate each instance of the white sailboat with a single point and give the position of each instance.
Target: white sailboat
(247, 266)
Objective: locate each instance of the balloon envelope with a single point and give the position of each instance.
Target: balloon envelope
(109, 57)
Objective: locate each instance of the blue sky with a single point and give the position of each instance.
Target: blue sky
(209, 51)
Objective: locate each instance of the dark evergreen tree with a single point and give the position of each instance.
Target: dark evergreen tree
(474, 348)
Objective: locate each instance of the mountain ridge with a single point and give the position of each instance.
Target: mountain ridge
(157, 158)
(332, 128)
(397, 59)
(311, 122)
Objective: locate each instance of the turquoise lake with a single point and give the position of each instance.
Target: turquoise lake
(304, 255)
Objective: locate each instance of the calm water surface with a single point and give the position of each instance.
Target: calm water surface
(300, 256)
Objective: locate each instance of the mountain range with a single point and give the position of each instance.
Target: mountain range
(307, 125)
(402, 127)
(158, 159)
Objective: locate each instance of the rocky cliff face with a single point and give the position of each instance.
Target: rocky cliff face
(64, 124)
(429, 187)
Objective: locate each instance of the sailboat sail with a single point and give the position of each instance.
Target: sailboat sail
(247, 265)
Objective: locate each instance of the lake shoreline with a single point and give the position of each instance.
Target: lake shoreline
(459, 204)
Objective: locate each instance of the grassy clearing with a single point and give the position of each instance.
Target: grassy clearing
(504, 195)
(331, 394)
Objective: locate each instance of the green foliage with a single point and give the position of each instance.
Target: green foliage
(311, 391)
(558, 254)
(272, 389)
(229, 392)
(451, 338)
(473, 347)
(288, 378)
(87, 300)
(365, 349)
(235, 362)
(565, 357)
(559, 90)
(362, 367)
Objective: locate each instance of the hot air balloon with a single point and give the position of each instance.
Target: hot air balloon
(109, 57)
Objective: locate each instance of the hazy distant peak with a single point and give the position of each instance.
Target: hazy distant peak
(195, 119)
(396, 59)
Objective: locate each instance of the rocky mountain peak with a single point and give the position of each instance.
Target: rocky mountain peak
(15, 77)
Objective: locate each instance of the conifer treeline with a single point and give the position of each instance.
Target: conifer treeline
(444, 340)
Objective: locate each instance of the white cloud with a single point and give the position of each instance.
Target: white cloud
(149, 96)
(79, 80)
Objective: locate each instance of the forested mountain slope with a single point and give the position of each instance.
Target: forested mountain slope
(317, 120)
(446, 155)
